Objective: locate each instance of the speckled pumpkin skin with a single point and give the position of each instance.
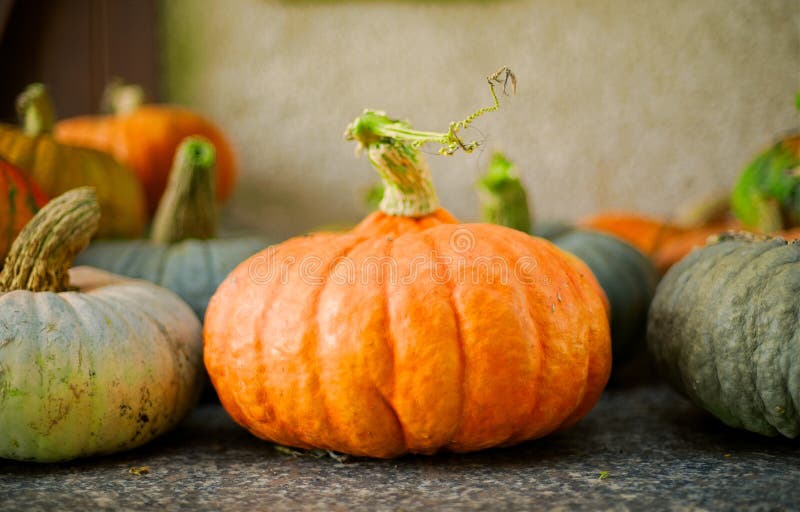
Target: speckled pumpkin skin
(385, 367)
(628, 278)
(724, 330)
(97, 371)
(192, 268)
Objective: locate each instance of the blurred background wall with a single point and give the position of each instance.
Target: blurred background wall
(621, 104)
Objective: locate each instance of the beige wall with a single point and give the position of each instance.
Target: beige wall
(637, 104)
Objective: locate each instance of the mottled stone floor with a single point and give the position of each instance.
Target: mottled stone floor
(658, 450)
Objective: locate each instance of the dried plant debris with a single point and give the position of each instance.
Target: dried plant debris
(313, 454)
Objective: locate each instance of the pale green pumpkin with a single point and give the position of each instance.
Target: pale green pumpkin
(182, 253)
(724, 329)
(90, 363)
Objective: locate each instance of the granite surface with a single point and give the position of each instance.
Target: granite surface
(655, 450)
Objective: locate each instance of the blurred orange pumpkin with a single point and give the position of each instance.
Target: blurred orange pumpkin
(21, 199)
(145, 137)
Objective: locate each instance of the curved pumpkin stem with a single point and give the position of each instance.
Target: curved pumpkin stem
(35, 110)
(393, 149)
(41, 256)
(120, 97)
(188, 208)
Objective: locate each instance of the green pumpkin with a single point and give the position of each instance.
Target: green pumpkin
(90, 363)
(182, 253)
(627, 277)
(724, 329)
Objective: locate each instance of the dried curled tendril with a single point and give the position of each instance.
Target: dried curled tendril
(376, 127)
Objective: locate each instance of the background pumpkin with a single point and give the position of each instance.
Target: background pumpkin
(145, 138)
(370, 365)
(56, 167)
(103, 367)
(723, 329)
(766, 197)
(182, 253)
(643, 232)
(21, 200)
(627, 276)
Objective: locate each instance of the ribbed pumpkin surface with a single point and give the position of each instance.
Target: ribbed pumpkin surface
(628, 278)
(337, 350)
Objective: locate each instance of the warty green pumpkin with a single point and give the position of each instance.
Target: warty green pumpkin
(57, 167)
(182, 253)
(90, 363)
(724, 329)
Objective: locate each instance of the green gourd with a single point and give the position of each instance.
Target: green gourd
(182, 253)
(626, 275)
(724, 329)
(90, 363)
(766, 197)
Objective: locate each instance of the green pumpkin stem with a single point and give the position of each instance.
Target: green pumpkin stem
(188, 208)
(393, 146)
(502, 196)
(120, 97)
(42, 254)
(35, 110)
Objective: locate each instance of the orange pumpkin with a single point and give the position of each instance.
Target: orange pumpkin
(643, 232)
(410, 333)
(21, 200)
(145, 137)
(676, 248)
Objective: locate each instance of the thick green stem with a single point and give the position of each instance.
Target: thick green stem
(393, 149)
(188, 208)
(35, 110)
(120, 97)
(502, 196)
(41, 256)
(407, 186)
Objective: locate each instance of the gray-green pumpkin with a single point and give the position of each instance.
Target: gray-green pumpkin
(90, 363)
(724, 329)
(626, 275)
(182, 253)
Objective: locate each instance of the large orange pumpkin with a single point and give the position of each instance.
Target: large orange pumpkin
(20, 199)
(145, 137)
(410, 333)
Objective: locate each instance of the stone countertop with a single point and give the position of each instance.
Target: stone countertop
(658, 450)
